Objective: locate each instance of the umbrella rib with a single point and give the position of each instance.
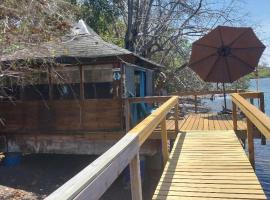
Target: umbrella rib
(211, 70)
(220, 35)
(239, 59)
(202, 59)
(237, 38)
(241, 48)
(205, 45)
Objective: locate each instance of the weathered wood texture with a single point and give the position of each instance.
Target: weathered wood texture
(65, 115)
(96, 178)
(208, 165)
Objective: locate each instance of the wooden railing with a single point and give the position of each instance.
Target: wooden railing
(97, 177)
(255, 117)
(195, 94)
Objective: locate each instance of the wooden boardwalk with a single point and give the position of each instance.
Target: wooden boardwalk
(208, 165)
(205, 122)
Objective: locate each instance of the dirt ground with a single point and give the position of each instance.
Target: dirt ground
(39, 175)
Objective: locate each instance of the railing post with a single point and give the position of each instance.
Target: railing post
(135, 178)
(196, 106)
(250, 143)
(263, 140)
(164, 139)
(234, 116)
(176, 113)
(127, 114)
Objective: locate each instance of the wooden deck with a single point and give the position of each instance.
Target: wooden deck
(208, 165)
(205, 122)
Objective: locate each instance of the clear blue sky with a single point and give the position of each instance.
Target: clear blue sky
(259, 12)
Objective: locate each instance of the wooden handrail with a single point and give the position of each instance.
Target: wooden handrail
(257, 117)
(150, 99)
(201, 93)
(96, 178)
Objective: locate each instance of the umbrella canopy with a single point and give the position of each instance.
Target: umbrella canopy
(225, 54)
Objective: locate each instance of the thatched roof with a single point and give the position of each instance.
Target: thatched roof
(82, 45)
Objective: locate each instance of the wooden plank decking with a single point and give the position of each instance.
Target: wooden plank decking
(208, 165)
(205, 122)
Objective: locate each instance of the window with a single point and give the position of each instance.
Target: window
(98, 81)
(36, 92)
(66, 83)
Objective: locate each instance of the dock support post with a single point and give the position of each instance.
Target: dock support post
(164, 139)
(250, 143)
(234, 116)
(263, 140)
(176, 112)
(135, 178)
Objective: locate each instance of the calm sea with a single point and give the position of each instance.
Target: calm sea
(262, 153)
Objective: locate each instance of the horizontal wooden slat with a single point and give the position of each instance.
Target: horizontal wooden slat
(198, 169)
(257, 117)
(96, 178)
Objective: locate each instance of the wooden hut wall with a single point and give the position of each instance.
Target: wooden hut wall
(64, 115)
(66, 111)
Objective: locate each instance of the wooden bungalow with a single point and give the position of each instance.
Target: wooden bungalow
(76, 104)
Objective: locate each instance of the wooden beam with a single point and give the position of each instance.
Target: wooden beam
(81, 68)
(149, 124)
(251, 94)
(152, 99)
(135, 178)
(201, 93)
(257, 117)
(250, 143)
(263, 139)
(164, 139)
(127, 115)
(96, 178)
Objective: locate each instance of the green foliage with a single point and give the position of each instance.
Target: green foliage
(263, 72)
(103, 16)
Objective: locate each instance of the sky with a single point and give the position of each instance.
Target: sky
(259, 13)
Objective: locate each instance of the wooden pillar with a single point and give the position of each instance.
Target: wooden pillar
(250, 143)
(81, 82)
(234, 116)
(164, 139)
(127, 115)
(135, 178)
(263, 139)
(176, 113)
(196, 106)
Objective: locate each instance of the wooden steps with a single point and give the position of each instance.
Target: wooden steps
(208, 165)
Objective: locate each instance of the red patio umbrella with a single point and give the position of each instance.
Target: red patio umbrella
(225, 54)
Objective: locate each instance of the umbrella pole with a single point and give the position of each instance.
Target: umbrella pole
(224, 95)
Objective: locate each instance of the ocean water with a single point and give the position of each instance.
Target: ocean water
(262, 152)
